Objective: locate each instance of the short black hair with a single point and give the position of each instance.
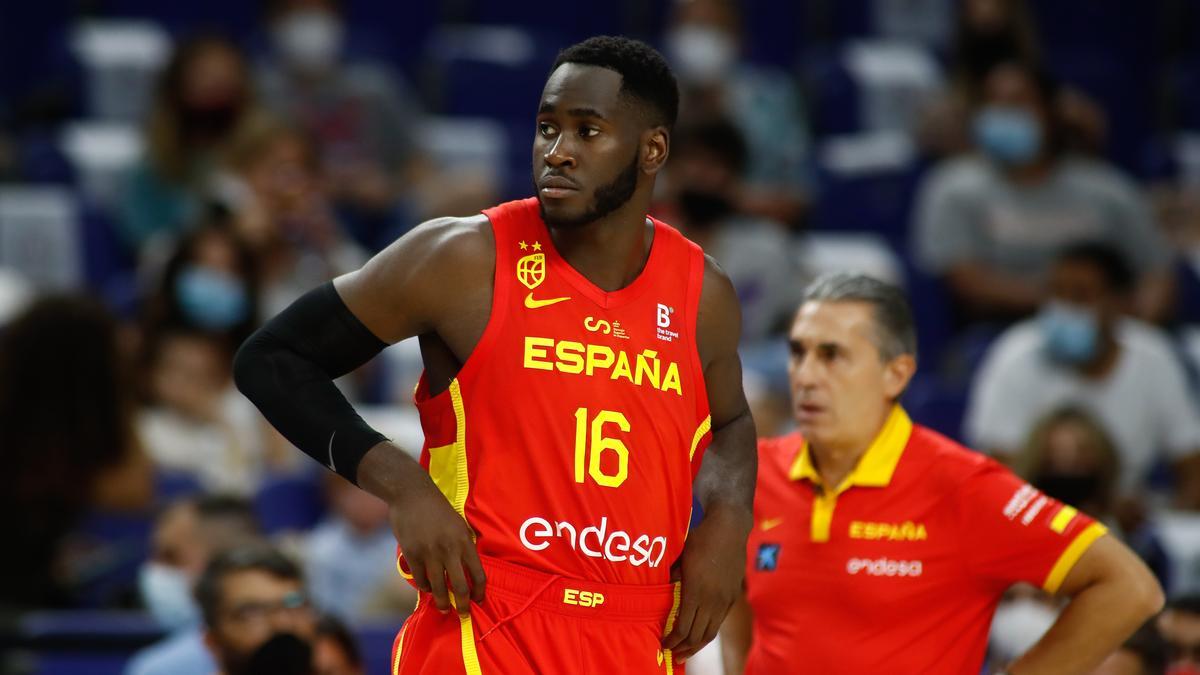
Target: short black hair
(1106, 258)
(644, 72)
(252, 557)
(718, 136)
(897, 333)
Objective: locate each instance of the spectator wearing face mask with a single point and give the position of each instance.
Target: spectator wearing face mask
(703, 43)
(210, 283)
(705, 174)
(1071, 457)
(257, 616)
(990, 224)
(988, 33)
(1082, 351)
(204, 95)
(188, 534)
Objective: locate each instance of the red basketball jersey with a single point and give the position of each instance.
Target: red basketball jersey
(571, 435)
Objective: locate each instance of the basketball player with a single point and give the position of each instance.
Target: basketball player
(580, 360)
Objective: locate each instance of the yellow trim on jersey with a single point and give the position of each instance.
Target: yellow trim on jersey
(1071, 555)
(1063, 518)
(470, 658)
(874, 469)
(448, 463)
(405, 575)
(877, 464)
(462, 482)
(399, 649)
(666, 653)
(822, 517)
(700, 431)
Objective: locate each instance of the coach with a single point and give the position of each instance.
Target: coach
(880, 546)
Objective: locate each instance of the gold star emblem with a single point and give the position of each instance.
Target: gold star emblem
(523, 246)
(537, 246)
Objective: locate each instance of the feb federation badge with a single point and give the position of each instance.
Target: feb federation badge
(531, 270)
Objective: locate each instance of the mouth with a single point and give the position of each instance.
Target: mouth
(808, 410)
(557, 187)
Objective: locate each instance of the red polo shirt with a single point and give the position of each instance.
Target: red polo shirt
(899, 569)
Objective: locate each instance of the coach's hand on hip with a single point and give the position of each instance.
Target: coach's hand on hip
(436, 541)
(710, 573)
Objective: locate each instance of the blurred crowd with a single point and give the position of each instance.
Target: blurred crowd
(169, 180)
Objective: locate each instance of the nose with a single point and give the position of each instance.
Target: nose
(559, 155)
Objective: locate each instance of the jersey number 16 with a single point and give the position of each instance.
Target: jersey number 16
(587, 455)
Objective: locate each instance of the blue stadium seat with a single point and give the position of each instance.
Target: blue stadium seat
(237, 18)
(833, 99)
(569, 21)
(876, 201)
(110, 549)
(774, 32)
(490, 71)
(936, 404)
(1120, 86)
(289, 502)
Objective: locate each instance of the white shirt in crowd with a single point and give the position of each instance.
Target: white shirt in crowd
(1144, 404)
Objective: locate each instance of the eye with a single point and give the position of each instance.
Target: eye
(829, 353)
(588, 132)
(546, 129)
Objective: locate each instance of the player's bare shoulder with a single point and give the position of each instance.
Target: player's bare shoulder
(440, 267)
(719, 320)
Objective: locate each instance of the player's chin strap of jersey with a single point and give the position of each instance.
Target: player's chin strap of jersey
(287, 369)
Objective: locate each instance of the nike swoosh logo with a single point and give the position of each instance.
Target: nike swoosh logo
(533, 303)
(770, 524)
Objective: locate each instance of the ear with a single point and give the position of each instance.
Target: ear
(897, 373)
(656, 146)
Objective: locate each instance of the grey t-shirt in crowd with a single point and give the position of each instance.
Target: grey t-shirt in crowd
(968, 212)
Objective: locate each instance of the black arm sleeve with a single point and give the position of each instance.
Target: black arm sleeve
(287, 368)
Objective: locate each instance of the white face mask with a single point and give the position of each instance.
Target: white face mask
(1018, 625)
(701, 54)
(167, 593)
(309, 40)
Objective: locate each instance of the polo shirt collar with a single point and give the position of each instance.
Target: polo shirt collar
(878, 463)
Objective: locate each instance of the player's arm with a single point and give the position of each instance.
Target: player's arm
(287, 369)
(735, 637)
(1111, 594)
(713, 562)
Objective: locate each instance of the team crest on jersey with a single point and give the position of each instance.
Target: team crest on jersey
(531, 270)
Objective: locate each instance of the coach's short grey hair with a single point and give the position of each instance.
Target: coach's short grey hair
(896, 333)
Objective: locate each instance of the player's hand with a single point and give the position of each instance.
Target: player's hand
(438, 547)
(710, 571)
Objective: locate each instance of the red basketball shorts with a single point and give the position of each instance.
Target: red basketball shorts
(537, 623)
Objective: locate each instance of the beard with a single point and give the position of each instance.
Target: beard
(609, 198)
